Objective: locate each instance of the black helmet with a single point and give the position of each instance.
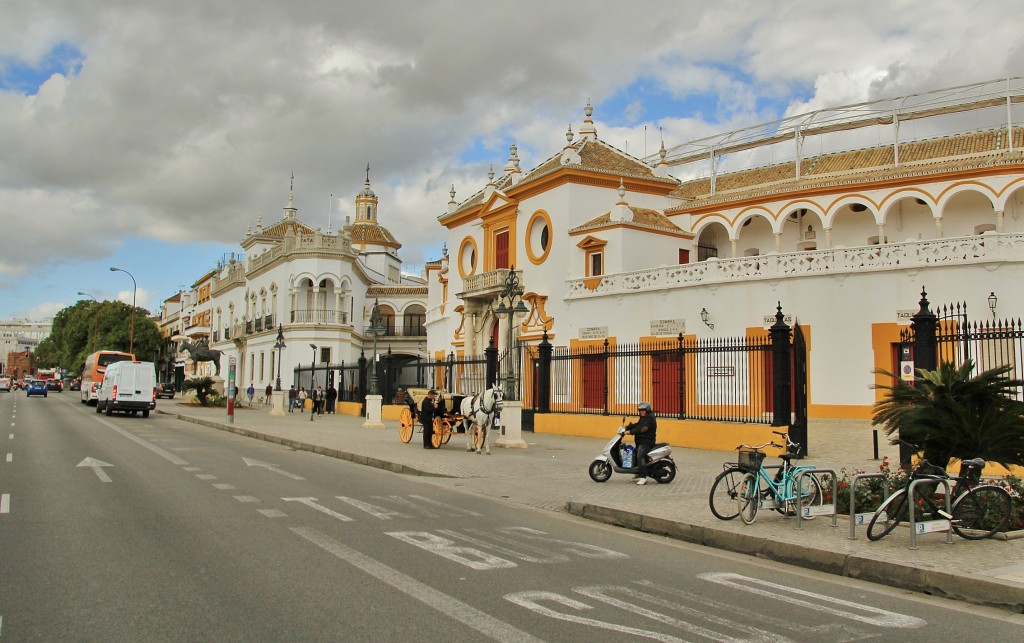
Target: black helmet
(644, 406)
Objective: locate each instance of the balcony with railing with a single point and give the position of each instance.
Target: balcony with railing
(487, 284)
(318, 317)
(977, 249)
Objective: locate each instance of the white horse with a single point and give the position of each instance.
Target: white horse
(479, 411)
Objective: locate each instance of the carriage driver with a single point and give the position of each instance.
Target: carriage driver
(427, 412)
(644, 432)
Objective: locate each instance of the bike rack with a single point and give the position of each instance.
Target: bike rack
(821, 510)
(928, 526)
(861, 518)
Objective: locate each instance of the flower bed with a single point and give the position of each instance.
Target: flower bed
(869, 492)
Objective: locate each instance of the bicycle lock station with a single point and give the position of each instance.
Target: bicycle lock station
(862, 518)
(815, 510)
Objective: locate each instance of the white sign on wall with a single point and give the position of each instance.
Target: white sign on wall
(904, 317)
(594, 332)
(667, 326)
(769, 320)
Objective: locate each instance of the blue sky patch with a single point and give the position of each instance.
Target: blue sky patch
(24, 78)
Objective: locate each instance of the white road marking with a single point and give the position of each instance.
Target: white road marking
(532, 601)
(97, 467)
(191, 469)
(580, 549)
(465, 614)
(170, 457)
(10, 457)
(811, 600)
(5, 503)
(206, 476)
(223, 487)
(313, 503)
(436, 503)
(270, 467)
(468, 556)
(247, 499)
(272, 513)
(373, 510)
(479, 542)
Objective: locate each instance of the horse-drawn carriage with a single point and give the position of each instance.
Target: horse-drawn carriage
(467, 414)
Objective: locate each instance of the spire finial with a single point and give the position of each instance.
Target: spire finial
(452, 192)
(622, 189)
(367, 173)
(588, 110)
(490, 173)
(291, 185)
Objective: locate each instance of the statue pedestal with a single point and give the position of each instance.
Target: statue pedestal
(511, 426)
(279, 398)
(218, 385)
(373, 414)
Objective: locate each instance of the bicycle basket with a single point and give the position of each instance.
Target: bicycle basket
(750, 461)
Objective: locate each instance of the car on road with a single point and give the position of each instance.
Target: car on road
(5, 384)
(165, 389)
(36, 387)
(54, 385)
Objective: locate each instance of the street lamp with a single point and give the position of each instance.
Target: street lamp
(135, 290)
(376, 329)
(312, 382)
(516, 309)
(95, 317)
(279, 344)
(992, 301)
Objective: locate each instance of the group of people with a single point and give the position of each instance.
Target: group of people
(324, 401)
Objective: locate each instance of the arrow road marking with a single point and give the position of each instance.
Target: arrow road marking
(271, 467)
(96, 466)
(312, 502)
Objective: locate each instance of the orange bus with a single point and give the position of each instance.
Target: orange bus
(95, 366)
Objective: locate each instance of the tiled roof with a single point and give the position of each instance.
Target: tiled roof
(372, 233)
(396, 291)
(643, 217)
(279, 229)
(961, 151)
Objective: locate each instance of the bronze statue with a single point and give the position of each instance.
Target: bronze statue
(200, 351)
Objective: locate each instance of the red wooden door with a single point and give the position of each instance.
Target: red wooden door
(501, 249)
(593, 382)
(665, 383)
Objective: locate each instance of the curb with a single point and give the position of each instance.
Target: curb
(972, 588)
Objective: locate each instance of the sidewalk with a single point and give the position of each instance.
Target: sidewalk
(552, 474)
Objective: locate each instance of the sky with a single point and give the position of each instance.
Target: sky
(150, 135)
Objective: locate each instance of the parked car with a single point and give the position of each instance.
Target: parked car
(165, 389)
(76, 385)
(36, 387)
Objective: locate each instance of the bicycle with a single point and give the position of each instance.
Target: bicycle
(978, 510)
(726, 489)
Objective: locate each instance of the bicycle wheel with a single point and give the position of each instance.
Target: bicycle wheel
(405, 425)
(724, 490)
(887, 516)
(748, 498)
(981, 512)
(810, 495)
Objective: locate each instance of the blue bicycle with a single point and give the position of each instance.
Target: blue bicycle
(757, 486)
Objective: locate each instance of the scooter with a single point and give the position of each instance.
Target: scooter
(660, 465)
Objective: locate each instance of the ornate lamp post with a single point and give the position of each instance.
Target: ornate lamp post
(516, 309)
(278, 345)
(135, 290)
(312, 381)
(95, 317)
(376, 329)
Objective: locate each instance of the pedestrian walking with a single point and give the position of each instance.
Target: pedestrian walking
(269, 394)
(293, 397)
(251, 392)
(318, 400)
(302, 399)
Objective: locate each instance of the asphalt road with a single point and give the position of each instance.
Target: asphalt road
(126, 528)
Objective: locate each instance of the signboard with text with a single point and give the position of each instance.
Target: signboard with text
(667, 326)
(594, 332)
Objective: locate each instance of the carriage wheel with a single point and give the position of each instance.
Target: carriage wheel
(446, 424)
(405, 425)
(437, 439)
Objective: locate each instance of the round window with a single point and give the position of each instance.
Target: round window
(538, 237)
(467, 257)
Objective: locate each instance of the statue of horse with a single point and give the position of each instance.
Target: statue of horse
(479, 410)
(200, 351)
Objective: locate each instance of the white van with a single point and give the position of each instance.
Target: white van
(129, 387)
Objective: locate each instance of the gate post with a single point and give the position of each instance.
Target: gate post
(780, 369)
(544, 375)
(606, 358)
(491, 357)
(362, 381)
(924, 324)
(682, 376)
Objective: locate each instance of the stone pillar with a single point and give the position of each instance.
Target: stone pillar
(511, 426)
(280, 398)
(999, 221)
(373, 412)
(778, 242)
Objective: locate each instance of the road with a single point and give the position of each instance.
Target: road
(126, 528)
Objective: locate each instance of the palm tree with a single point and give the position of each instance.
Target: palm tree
(203, 386)
(954, 415)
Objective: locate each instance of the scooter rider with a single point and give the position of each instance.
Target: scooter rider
(644, 432)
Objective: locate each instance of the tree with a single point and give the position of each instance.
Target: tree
(203, 386)
(954, 415)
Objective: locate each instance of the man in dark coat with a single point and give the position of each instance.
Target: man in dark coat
(332, 398)
(427, 411)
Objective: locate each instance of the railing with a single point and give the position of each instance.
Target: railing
(488, 281)
(984, 248)
(318, 317)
